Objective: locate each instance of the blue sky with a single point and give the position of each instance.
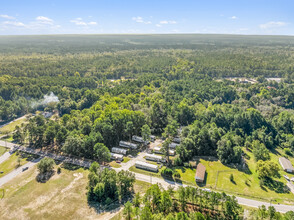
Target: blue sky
(149, 16)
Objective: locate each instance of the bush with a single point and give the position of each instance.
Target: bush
(178, 161)
(58, 170)
(232, 178)
(167, 172)
(288, 151)
(46, 165)
(177, 174)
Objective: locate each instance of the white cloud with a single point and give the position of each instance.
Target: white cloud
(14, 23)
(140, 20)
(273, 24)
(44, 20)
(234, 17)
(80, 22)
(7, 17)
(92, 23)
(167, 22)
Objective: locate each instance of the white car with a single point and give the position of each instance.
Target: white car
(286, 177)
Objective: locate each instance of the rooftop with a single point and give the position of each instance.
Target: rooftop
(200, 171)
(286, 164)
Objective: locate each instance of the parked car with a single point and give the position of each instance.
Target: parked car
(24, 169)
(286, 177)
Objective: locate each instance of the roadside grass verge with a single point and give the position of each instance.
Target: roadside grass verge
(11, 126)
(3, 150)
(12, 163)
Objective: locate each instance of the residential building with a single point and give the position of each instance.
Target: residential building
(200, 173)
(146, 166)
(286, 165)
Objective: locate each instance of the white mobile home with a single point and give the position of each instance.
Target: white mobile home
(119, 150)
(152, 138)
(286, 164)
(172, 152)
(117, 156)
(177, 140)
(139, 139)
(158, 151)
(154, 157)
(146, 166)
(128, 145)
(173, 145)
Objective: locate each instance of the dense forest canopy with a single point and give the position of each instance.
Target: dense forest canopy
(168, 81)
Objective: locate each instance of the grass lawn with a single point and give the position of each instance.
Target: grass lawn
(114, 164)
(126, 159)
(3, 150)
(11, 126)
(245, 184)
(63, 196)
(10, 164)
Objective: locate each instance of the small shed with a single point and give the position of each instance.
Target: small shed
(200, 173)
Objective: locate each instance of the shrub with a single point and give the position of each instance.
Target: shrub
(178, 161)
(232, 178)
(288, 151)
(58, 170)
(167, 172)
(46, 165)
(177, 174)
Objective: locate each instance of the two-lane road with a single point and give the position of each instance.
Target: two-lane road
(17, 171)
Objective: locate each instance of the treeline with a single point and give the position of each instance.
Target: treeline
(183, 203)
(219, 118)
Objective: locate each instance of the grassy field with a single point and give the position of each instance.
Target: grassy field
(11, 126)
(11, 163)
(62, 197)
(3, 150)
(245, 184)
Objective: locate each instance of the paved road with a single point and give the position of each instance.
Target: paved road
(142, 177)
(17, 171)
(5, 156)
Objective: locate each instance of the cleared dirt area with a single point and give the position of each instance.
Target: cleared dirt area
(62, 197)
